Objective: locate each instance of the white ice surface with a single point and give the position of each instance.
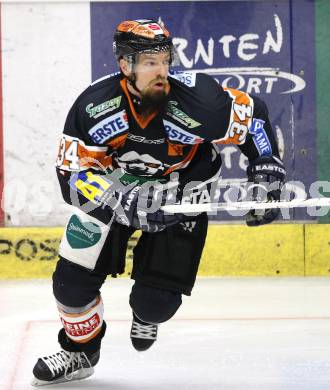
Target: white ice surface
(231, 334)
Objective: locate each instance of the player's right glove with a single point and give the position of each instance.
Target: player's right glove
(266, 176)
(110, 198)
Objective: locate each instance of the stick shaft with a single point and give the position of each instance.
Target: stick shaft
(187, 208)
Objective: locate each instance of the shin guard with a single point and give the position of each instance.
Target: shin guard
(81, 327)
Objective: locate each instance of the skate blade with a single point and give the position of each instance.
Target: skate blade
(78, 375)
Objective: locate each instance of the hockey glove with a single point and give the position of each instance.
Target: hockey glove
(144, 207)
(266, 174)
(139, 205)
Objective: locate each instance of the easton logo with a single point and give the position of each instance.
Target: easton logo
(130, 198)
(83, 328)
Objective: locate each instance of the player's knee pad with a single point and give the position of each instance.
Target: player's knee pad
(82, 326)
(75, 286)
(152, 304)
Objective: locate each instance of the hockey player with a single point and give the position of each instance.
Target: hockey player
(146, 125)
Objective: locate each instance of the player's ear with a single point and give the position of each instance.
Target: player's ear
(125, 67)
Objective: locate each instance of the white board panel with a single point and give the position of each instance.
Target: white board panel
(46, 64)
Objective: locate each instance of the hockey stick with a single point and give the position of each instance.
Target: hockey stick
(186, 208)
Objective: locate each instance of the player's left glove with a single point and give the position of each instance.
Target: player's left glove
(267, 175)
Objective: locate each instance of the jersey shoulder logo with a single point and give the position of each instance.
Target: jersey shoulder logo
(187, 78)
(75, 155)
(103, 108)
(175, 133)
(174, 112)
(260, 137)
(240, 118)
(109, 127)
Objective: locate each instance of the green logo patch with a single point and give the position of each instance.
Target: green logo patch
(103, 108)
(82, 234)
(181, 116)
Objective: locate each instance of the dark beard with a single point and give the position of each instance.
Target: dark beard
(151, 102)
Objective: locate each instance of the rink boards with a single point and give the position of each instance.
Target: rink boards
(274, 250)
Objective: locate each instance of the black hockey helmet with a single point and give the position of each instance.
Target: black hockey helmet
(137, 36)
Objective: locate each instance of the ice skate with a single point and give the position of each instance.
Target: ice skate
(64, 366)
(143, 334)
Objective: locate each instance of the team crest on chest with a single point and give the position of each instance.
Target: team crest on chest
(140, 164)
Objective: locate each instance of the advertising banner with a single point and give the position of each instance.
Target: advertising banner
(263, 48)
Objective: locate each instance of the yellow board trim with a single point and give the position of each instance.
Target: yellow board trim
(230, 250)
(317, 250)
(237, 250)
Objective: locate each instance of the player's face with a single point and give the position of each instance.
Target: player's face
(151, 73)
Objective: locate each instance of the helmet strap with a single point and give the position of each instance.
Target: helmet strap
(132, 78)
(132, 81)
